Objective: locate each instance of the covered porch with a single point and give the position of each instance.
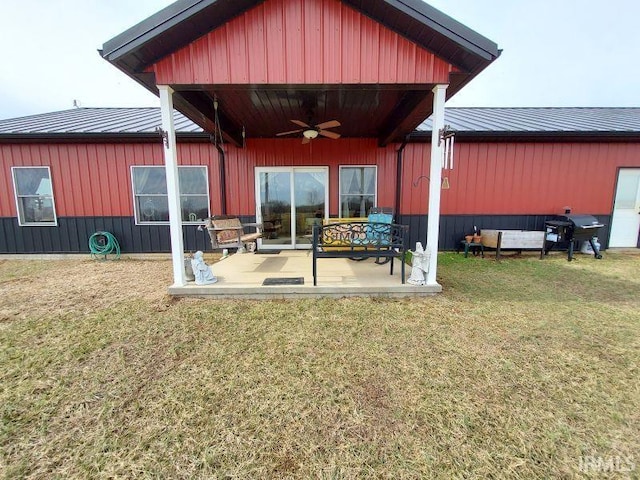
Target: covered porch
(263, 76)
(243, 275)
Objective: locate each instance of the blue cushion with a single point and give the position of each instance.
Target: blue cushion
(379, 235)
(380, 218)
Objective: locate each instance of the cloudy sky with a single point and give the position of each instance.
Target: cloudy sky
(556, 53)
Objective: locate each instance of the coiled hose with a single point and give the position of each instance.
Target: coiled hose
(104, 243)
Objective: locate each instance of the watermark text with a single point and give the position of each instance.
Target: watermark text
(603, 464)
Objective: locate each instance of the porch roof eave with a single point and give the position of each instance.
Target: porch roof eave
(137, 49)
(186, 20)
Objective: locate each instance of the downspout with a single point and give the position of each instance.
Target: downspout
(399, 159)
(222, 172)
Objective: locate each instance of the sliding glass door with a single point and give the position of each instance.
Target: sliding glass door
(290, 200)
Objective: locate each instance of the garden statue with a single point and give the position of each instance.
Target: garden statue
(419, 265)
(202, 271)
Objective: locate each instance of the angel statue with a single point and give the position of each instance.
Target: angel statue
(419, 265)
(202, 271)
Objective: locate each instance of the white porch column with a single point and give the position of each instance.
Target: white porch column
(173, 187)
(435, 181)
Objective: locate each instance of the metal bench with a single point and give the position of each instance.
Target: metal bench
(360, 240)
(376, 215)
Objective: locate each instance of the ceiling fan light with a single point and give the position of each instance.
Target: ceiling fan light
(310, 134)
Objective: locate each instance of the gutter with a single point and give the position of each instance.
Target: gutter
(399, 160)
(523, 136)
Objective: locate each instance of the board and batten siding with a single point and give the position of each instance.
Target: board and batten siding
(488, 178)
(241, 165)
(302, 42)
(94, 179)
(523, 178)
(493, 185)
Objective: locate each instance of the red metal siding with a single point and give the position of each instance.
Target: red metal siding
(489, 178)
(298, 42)
(94, 179)
(241, 165)
(415, 184)
(521, 178)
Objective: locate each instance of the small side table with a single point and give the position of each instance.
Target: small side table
(476, 248)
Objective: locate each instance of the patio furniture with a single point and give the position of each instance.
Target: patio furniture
(376, 215)
(476, 248)
(517, 240)
(360, 240)
(228, 232)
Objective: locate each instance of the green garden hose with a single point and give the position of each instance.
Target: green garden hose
(104, 243)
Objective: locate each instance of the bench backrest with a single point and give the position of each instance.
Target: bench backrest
(513, 239)
(380, 218)
(360, 234)
(378, 234)
(225, 236)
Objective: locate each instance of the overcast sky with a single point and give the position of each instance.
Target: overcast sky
(556, 53)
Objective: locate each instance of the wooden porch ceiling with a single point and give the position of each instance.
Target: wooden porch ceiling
(386, 112)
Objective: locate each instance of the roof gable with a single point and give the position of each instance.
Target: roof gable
(387, 53)
(174, 27)
(302, 42)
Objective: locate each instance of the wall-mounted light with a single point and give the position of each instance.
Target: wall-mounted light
(310, 133)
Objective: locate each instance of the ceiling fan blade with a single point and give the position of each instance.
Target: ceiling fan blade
(329, 124)
(305, 140)
(328, 134)
(288, 133)
(301, 124)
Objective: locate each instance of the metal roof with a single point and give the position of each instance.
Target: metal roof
(467, 121)
(95, 121)
(524, 120)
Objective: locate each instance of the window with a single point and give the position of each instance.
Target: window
(34, 196)
(150, 194)
(357, 191)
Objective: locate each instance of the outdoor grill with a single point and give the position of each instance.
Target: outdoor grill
(570, 229)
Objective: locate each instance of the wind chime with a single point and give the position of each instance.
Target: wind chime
(447, 136)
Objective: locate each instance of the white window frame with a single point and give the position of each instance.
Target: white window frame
(340, 194)
(162, 222)
(17, 197)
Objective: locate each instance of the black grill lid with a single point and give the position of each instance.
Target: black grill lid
(581, 221)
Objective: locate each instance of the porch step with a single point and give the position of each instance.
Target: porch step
(220, 291)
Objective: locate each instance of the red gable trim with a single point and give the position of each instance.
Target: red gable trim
(302, 42)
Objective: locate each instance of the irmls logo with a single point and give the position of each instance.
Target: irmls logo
(592, 463)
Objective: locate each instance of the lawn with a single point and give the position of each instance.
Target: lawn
(520, 369)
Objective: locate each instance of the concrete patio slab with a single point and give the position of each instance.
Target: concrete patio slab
(242, 275)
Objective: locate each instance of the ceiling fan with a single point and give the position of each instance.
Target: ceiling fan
(310, 132)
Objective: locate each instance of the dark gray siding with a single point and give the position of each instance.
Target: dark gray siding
(454, 227)
(72, 234)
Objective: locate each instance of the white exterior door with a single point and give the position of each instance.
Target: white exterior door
(289, 202)
(625, 224)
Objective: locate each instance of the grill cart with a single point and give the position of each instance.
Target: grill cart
(572, 228)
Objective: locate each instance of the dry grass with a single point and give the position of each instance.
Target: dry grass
(519, 370)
